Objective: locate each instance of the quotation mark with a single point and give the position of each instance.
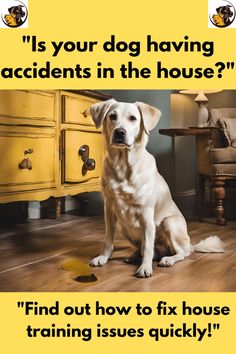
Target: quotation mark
(216, 326)
(230, 65)
(26, 39)
(20, 304)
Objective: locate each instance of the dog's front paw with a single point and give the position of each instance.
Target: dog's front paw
(99, 261)
(144, 271)
(166, 262)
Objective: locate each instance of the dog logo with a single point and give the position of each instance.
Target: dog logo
(223, 15)
(15, 14)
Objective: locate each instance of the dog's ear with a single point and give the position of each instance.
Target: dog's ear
(149, 114)
(99, 110)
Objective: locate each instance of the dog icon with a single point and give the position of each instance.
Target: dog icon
(224, 16)
(16, 16)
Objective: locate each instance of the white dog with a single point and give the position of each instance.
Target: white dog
(136, 196)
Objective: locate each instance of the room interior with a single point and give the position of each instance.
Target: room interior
(65, 220)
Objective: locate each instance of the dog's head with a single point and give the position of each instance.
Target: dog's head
(123, 122)
(225, 10)
(10, 20)
(218, 20)
(18, 12)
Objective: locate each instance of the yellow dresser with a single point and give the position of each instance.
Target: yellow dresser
(49, 146)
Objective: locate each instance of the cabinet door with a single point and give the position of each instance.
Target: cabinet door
(27, 158)
(74, 163)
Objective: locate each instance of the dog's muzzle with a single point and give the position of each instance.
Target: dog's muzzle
(119, 137)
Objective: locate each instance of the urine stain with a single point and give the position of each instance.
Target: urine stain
(86, 278)
(81, 271)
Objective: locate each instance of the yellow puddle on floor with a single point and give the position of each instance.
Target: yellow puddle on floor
(82, 272)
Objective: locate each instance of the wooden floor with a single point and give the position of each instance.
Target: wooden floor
(31, 255)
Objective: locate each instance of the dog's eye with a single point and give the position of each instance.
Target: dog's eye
(113, 117)
(133, 118)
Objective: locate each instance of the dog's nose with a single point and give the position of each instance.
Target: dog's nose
(119, 133)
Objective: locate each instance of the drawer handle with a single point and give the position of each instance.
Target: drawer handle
(84, 152)
(88, 163)
(28, 151)
(25, 164)
(85, 113)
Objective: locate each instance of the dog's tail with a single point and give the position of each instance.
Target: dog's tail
(210, 244)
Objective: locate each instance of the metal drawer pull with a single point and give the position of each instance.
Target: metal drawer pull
(89, 164)
(85, 113)
(84, 152)
(25, 164)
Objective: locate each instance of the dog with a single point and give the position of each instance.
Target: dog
(11, 20)
(218, 20)
(18, 13)
(226, 12)
(136, 196)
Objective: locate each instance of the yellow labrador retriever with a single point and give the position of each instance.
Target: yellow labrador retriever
(136, 196)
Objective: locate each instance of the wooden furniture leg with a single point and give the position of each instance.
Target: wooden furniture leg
(57, 207)
(219, 195)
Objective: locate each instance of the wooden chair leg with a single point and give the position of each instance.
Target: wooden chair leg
(219, 195)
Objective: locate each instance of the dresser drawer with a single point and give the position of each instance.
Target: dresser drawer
(75, 160)
(76, 109)
(27, 158)
(27, 104)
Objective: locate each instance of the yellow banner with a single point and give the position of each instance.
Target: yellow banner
(117, 322)
(125, 44)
